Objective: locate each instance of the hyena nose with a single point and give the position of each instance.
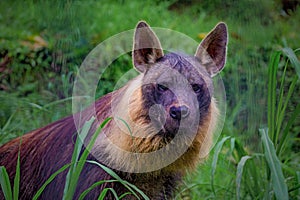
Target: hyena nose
(178, 112)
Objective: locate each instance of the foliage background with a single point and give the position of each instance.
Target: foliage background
(42, 44)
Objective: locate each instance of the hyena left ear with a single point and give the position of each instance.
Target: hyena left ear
(212, 50)
(146, 47)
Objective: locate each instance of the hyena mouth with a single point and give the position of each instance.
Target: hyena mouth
(168, 122)
(172, 128)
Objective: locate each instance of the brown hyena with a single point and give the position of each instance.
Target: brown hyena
(168, 114)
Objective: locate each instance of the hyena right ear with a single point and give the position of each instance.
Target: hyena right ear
(212, 50)
(146, 47)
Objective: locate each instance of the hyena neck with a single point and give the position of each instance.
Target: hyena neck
(162, 184)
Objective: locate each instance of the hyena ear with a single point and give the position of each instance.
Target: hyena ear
(146, 47)
(212, 50)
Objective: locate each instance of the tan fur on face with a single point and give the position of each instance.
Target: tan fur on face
(121, 143)
(201, 145)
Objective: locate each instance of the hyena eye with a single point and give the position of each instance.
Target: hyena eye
(161, 88)
(196, 88)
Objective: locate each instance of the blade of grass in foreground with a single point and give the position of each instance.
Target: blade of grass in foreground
(215, 160)
(5, 183)
(272, 82)
(239, 173)
(128, 185)
(17, 177)
(75, 176)
(277, 179)
(293, 58)
(282, 110)
(49, 180)
(77, 148)
(84, 193)
(72, 183)
(104, 191)
(286, 130)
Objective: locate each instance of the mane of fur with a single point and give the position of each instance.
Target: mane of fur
(121, 143)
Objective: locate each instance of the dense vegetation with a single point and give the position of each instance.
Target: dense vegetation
(43, 43)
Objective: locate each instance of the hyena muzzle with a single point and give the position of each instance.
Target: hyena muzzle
(168, 114)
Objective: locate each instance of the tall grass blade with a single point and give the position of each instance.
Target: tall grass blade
(240, 149)
(103, 193)
(123, 195)
(278, 182)
(126, 184)
(77, 148)
(85, 192)
(283, 110)
(17, 177)
(81, 162)
(8, 122)
(272, 82)
(289, 124)
(293, 58)
(34, 105)
(298, 178)
(239, 173)
(281, 97)
(232, 146)
(215, 160)
(53, 103)
(49, 180)
(5, 183)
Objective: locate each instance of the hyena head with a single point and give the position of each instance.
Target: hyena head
(169, 107)
(177, 89)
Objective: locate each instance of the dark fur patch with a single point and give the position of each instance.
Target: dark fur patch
(190, 70)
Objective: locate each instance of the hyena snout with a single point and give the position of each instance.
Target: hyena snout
(179, 112)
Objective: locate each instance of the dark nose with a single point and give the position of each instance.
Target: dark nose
(178, 112)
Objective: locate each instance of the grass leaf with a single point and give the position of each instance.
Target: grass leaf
(5, 183)
(8, 122)
(280, 97)
(293, 58)
(215, 160)
(239, 174)
(80, 164)
(289, 124)
(123, 195)
(17, 178)
(278, 182)
(76, 152)
(49, 180)
(272, 82)
(282, 111)
(104, 191)
(85, 192)
(128, 185)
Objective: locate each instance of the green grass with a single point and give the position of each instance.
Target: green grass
(36, 84)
